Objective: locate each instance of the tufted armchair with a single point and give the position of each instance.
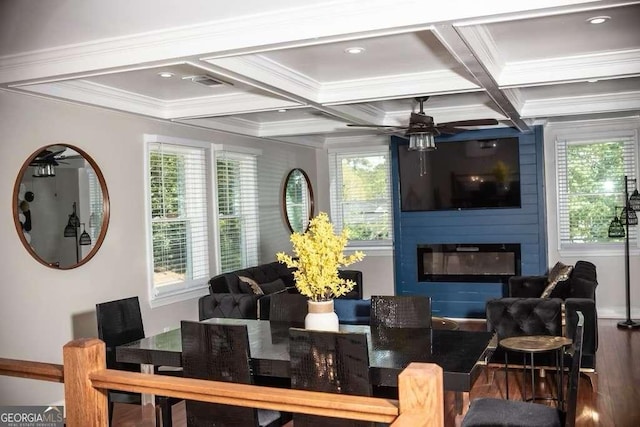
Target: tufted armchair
(509, 317)
(578, 293)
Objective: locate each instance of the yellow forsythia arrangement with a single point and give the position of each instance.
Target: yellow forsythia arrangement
(319, 254)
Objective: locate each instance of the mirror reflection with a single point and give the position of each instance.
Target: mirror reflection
(61, 206)
(298, 201)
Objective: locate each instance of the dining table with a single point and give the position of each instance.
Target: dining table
(459, 353)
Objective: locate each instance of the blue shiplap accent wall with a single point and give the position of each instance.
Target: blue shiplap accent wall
(525, 225)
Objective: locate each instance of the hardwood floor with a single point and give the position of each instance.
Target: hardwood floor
(616, 403)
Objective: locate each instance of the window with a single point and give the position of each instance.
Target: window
(95, 206)
(361, 195)
(177, 209)
(237, 194)
(590, 185)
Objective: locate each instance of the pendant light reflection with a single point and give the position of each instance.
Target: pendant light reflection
(85, 239)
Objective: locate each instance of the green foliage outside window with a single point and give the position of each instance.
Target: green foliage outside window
(595, 179)
(365, 203)
(228, 181)
(168, 230)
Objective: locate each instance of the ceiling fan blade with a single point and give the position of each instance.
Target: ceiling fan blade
(374, 126)
(448, 130)
(479, 122)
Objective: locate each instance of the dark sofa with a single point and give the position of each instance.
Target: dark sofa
(229, 298)
(523, 312)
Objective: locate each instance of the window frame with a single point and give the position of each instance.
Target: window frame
(188, 289)
(241, 154)
(336, 154)
(603, 133)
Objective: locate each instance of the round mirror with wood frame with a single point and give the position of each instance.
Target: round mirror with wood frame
(297, 201)
(61, 206)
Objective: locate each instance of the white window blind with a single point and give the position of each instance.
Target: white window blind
(590, 177)
(178, 212)
(95, 206)
(237, 194)
(361, 195)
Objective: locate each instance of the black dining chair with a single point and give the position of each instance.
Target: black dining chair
(401, 311)
(291, 308)
(331, 362)
(486, 412)
(220, 353)
(120, 322)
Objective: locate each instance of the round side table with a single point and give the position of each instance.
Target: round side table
(533, 344)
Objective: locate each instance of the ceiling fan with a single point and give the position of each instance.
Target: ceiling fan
(422, 129)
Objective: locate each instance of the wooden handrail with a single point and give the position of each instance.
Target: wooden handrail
(34, 370)
(327, 404)
(420, 404)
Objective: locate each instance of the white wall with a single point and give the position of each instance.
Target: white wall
(610, 293)
(42, 308)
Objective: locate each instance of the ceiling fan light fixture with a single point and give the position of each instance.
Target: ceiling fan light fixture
(44, 171)
(422, 142)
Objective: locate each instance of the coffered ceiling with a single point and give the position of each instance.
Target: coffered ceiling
(280, 70)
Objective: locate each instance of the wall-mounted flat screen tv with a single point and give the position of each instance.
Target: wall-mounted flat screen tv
(461, 175)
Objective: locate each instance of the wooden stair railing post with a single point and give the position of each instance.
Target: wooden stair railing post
(85, 405)
(421, 396)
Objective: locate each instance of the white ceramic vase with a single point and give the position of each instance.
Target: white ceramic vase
(321, 316)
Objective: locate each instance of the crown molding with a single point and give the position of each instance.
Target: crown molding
(571, 68)
(515, 97)
(267, 71)
(299, 127)
(105, 96)
(404, 85)
(224, 124)
(585, 104)
(99, 95)
(222, 105)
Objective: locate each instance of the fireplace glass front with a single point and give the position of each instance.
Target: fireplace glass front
(492, 263)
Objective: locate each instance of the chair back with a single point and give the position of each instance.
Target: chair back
(285, 307)
(331, 362)
(401, 311)
(574, 375)
(119, 322)
(218, 353)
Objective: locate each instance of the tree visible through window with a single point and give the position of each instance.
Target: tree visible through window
(591, 185)
(361, 198)
(177, 189)
(237, 210)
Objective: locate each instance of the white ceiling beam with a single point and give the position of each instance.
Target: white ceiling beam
(452, 39)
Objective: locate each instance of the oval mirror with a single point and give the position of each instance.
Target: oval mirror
(61, 206)
(297, 201)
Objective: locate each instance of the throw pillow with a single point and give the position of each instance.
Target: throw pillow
(271, 287)
(249, 286)
(559, 273)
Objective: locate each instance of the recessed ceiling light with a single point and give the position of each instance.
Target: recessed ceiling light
(598, 19)
(165, 74)
(282, 110)
(354, 50)
(592, 80)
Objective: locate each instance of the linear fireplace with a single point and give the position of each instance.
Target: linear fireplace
(468, 262)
